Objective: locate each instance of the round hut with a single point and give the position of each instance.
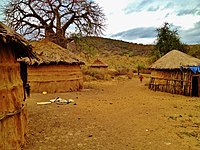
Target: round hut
(13, 113)
(57, 70)
(98, 64)
(176, 72)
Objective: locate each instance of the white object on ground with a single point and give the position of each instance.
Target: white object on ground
(59, 100)
(43, 103)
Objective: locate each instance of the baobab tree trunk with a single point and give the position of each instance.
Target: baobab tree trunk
(58, 38)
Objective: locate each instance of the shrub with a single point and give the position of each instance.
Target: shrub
(95, 74)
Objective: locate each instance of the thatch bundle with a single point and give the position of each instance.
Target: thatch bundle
(57, 70)
(13, 114)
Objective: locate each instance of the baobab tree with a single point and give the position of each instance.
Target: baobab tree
(55, 20)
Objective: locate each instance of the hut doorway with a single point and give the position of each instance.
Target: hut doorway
(195, 87)
(23, 73)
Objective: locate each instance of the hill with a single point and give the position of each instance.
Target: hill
(122, 57)
(194, 50)
(105, 46)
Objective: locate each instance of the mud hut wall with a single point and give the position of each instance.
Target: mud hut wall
(172, 81)
(55, 78)
(187, 84)
(13, 113)
(162, 75)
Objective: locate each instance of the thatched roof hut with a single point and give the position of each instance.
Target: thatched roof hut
(56, 70)
(174, 73)
(13, 113)
(20, 46)
(51, 53)
(98, 64)
(174, 60)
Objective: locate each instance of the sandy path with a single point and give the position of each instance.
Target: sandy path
(114, 115)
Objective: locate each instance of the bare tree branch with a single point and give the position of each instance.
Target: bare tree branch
(55, 18)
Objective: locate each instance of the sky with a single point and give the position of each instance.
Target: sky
(137, 20)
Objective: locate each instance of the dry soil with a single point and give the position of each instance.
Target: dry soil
(121, 114)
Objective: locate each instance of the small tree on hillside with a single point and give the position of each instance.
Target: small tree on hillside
(167, 40)
(139, 66)
(55, 19)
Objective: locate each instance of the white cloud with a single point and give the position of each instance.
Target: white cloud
(124, 15)
(186, 22)
(112, 6)
(116, 18)
(141, 41)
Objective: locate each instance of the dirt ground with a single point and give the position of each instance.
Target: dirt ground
(114, 115)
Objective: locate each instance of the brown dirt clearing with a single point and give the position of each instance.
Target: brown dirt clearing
(114, 115)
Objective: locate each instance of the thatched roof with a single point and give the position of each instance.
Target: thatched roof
(14, 40)
(98, 63)
(174, 60)
(48, 52)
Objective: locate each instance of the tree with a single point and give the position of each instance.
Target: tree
(139, 66)
(167, 40)
(55, 19)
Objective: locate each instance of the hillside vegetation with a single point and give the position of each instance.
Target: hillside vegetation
(194, 50)
(105, 46)
(122, 57)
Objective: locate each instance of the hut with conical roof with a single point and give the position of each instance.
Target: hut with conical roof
(13, 113)
(176, 72)
(56, 70)
(98, 64)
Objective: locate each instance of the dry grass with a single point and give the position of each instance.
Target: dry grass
(117, 66)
